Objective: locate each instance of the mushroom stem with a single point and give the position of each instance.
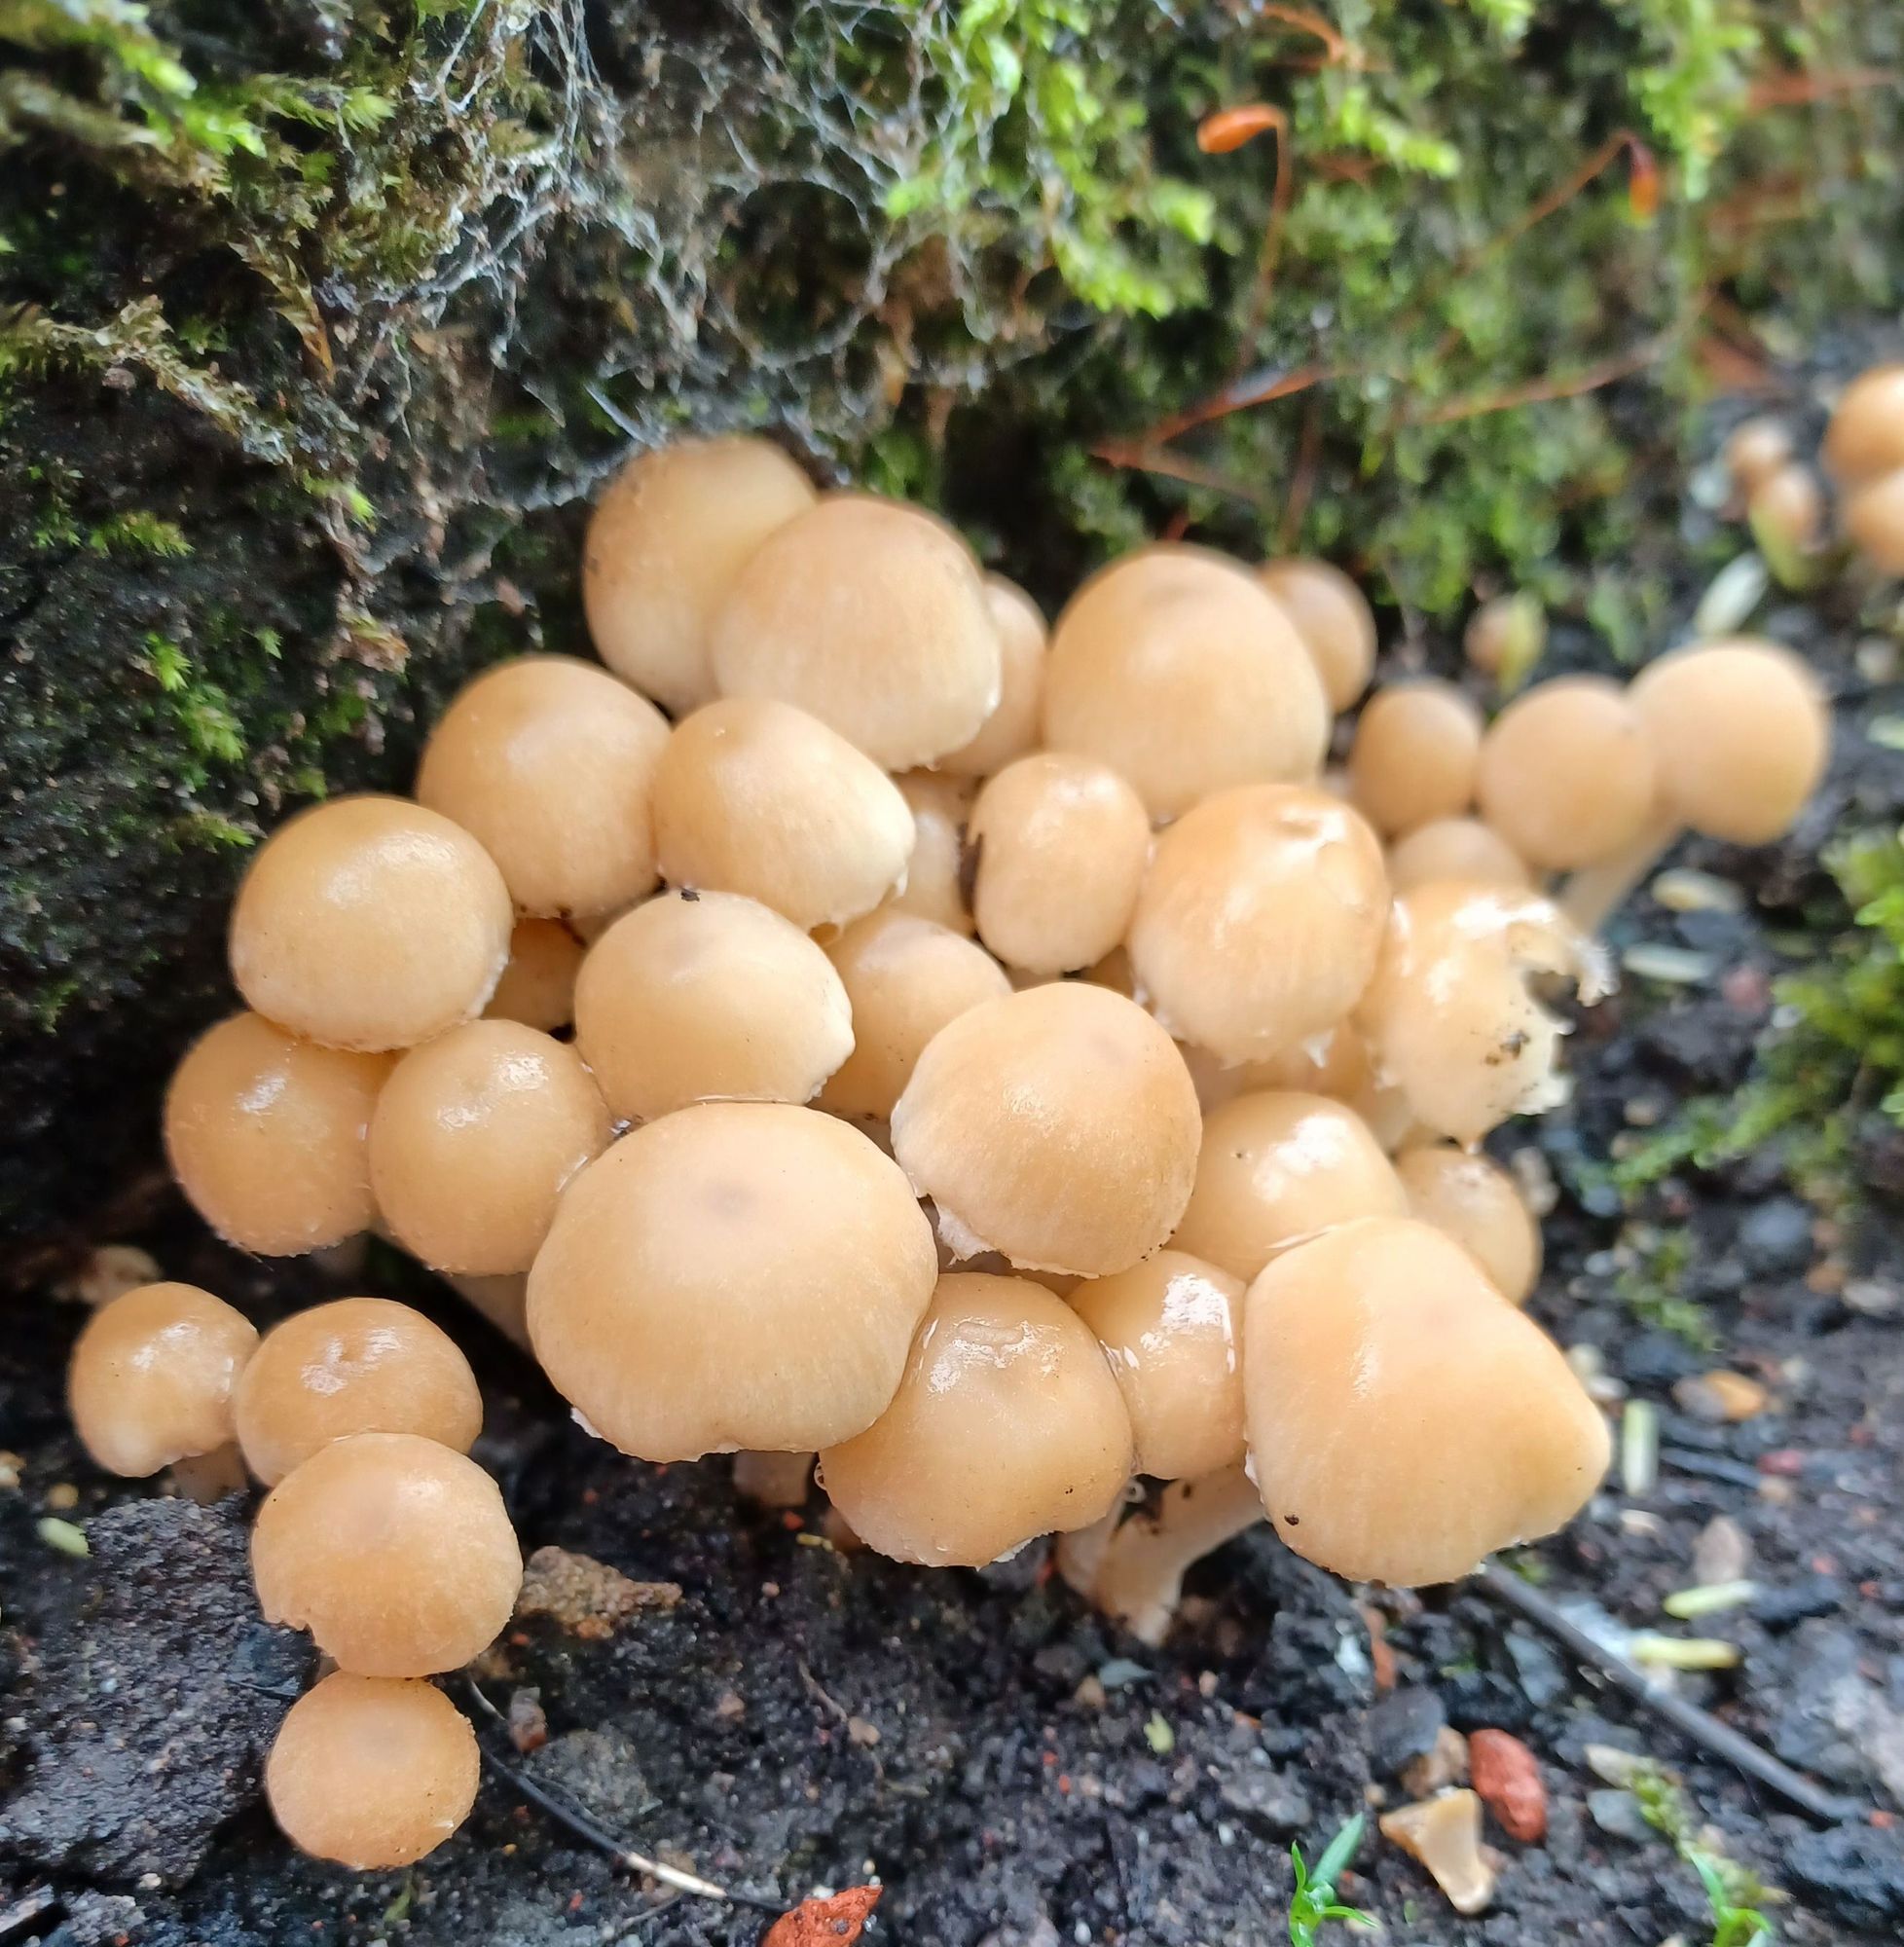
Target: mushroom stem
(773, 1480)
(1141, 1574)
(1080, 1555)
(206, 1478)
(1590, 896)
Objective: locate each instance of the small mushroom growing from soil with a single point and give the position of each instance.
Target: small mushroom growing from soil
(1866, 434)
(372, 1771)
(1505, 636)
(1334, 619)
(1415, 755)
(934, 887)
(1787, 513)
(1473, 1200)
(1464, 849)
(1012, 729)
(539, 985)
(1874, 518)
(1754, 451)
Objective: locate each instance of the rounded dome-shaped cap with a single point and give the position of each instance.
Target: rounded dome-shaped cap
(1415, 756)
(1787, 510)
(370, 923)
(473, 1138)
(1874, 518)
(547, 763)
(1740, 732)
(267, 1136)
(1336, 1064)
(664, 545)
(1176, 668)
(1505, 636)
(740, 1275)
(152, 1377)
(1470, 1197)
(871, 617)
(394, 1552)
(1866, 434)
(1463, 849)
(1259, 922)
(934, 886)
(1405, 1420)
(1754, 451)
(1059, 1126)
(539, 985)
(754, 796)
(700, 997)
(1007, 1425)
(372, 1771)
(1334, 619)
(1012, 729)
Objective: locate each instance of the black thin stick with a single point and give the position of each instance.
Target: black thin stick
(1699, 1725)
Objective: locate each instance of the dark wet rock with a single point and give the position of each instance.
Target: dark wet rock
(1540, 1673)
(1709, 1046)
(1618, 1814)
(1789, 1603)
(1402, 1726)
(1657, 1359)
(1774, 1239)
(1834, 1721)
(1267, 1801)
(1852, 1872)
(1484, 1699)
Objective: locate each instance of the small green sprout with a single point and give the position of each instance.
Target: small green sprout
(1314, 1902)
(1732, 1925)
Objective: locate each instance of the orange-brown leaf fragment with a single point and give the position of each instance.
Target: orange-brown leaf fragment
(837, 1922)
(1509, 1782)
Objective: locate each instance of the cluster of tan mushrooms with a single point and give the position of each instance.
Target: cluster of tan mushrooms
(1004, 1067)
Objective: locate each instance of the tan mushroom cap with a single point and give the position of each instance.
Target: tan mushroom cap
(548, 761)
(872, 616)
(152, 1376)
(1788, 506)
(372, 1771)
(1754, 451)
(1007, 1425)
(906, 978)
(370, 923)
(1012, 729)
(1471, 1198)
(473, 1138)
(1170, 1329)
(1334, 619)
(1466, 849)
(1259, 922)
(1058, 1125)
(701, 997)
(740, 1275)
(663, 546)
(1740, 732)
(265, 1134)
(539, 985)
(1174, 667)
(1874, 518)
(356, 1365)
(755, 796)
(1505, 636)
(935, 876)
(1405, 1420)
(1866, 434)
(394, 1552)
(1415, 755)
(1058, 846)
(1336, 1064)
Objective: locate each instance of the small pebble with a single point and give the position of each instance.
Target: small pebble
(1721, 1397)
(1618, 1814)
(1443, 1834)
(1723, 1552)
(1508, 1784)
(1402, 1727)
(1873, 1297)
(63, 1498)
(1446, 1764)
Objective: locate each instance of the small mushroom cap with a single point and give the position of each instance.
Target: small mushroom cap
(934, 886)
(1176, 668)
(356, 1365)
(1058, 845)
(663, 546)
(1405, 1420)
(539, 985)
(1007, 1425)
(739, 1274)
(709, 997)
(152, 1376)
(1455, 848)
(265, 1134)
(755, 796)
(1334, 619)
(1058, 1125)
(1740, 732)
(1336, 1064)
(473, 1138)
(1012, 729)
(393, 1551)
(1874, 518)
(1754, 451)
(1567, 774)
(1505, 636)
(1415, 755)
(1259, 922)
(1169, 1328)
(872, 616)
(906, 978)
(1866, 434)
(372, 1771)
(547, 763)
(1471, 1198)
(370, 923)
(1788, 506)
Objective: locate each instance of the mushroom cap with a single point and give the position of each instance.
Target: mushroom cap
(1455, 848)
(1866, 434)
(393, 1551)
(934, 886)
(709, 997)
(1058, 1125)
(372, 1771)
(1405, 1420)
(1874, 518)
(1259, 922)
(1505, 636)
(1012, 729)
(1414, 756)
(356, 1365)
(872, 616)
(472, 1140)
(906, 978)
(370, 923)
(664, 545)
(152, 1376)
(1470, 1197)
(539, 985)
(755, 796)
(1169, 1328)
(1176, 668)
(1566, 774)
(1336, 1064)
(1788, 506)
(1058, 847)
(1334, 619)
(1007, 1425)
(1740, 732)
(265, 1134)
(1754, 451)
(547, 762)
(738, 1275)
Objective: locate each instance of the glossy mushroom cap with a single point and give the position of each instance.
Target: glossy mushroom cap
(1471, 1198)
(370, 923)
(1176, 668)
(871, 617)
(1874, 518)
(539, 985)
(1334, 619)
(1405, 1420)
(1007, 1425)
(1012, 729)
(1754, 451)
(1058, 1125)
(1336, 1064)
(709, 997)
(547, 763)
(1866, 434)
(1505, 636)
(1787, 510)
(1455, 848)
(934, 886)
(740, 1275)
(1416, 749)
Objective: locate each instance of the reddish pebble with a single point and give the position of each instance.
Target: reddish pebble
(1786, 1461)
(1508, 1781)
(837, 1922)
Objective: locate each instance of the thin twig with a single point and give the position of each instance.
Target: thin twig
(1167, 465)
(1541, 391)
(1254, 389)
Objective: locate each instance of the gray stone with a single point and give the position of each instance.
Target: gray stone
(1404, 1725)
